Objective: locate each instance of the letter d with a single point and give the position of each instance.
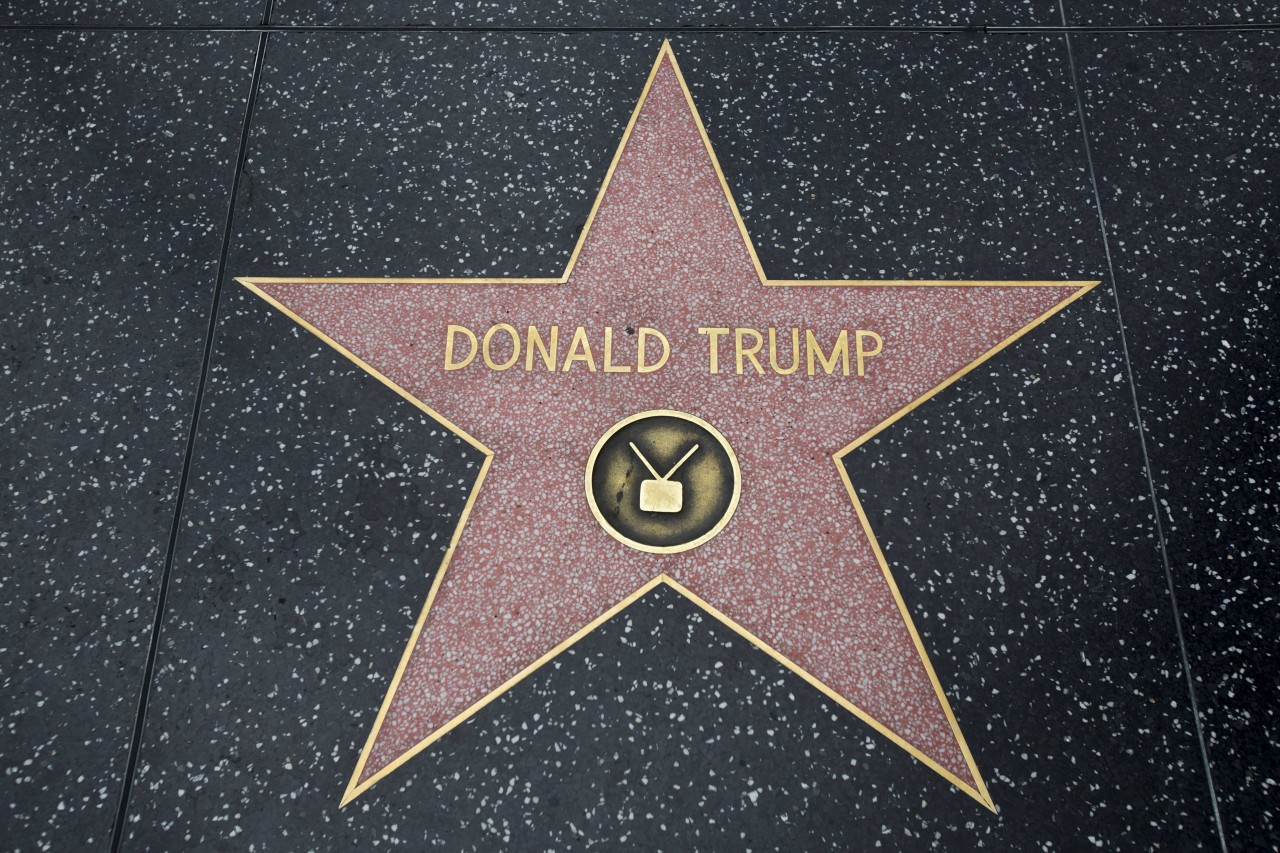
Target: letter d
(642, 338)
(449, 363)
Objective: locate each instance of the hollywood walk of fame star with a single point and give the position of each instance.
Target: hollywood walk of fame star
(796, 569)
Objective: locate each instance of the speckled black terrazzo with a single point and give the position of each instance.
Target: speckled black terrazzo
(820, 199)
(851, 158)
(1187, 147)
(419, 158)
(1014, 508)
(134, 13)
(117, 156)
(673, 14)
(1178, 13)
(1016, 514)
(318, 499)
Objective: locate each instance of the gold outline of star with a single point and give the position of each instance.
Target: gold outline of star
(355, 787)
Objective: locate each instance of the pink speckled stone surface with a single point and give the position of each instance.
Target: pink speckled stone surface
(793, 567)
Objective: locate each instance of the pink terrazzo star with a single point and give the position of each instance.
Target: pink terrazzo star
(796, 569)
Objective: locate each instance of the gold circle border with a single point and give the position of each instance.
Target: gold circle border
(666, 549)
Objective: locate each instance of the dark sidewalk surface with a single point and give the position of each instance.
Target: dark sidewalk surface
(1086, 530)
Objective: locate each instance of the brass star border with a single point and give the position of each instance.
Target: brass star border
(354, 787)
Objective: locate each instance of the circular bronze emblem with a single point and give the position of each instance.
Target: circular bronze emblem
(663, 481)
